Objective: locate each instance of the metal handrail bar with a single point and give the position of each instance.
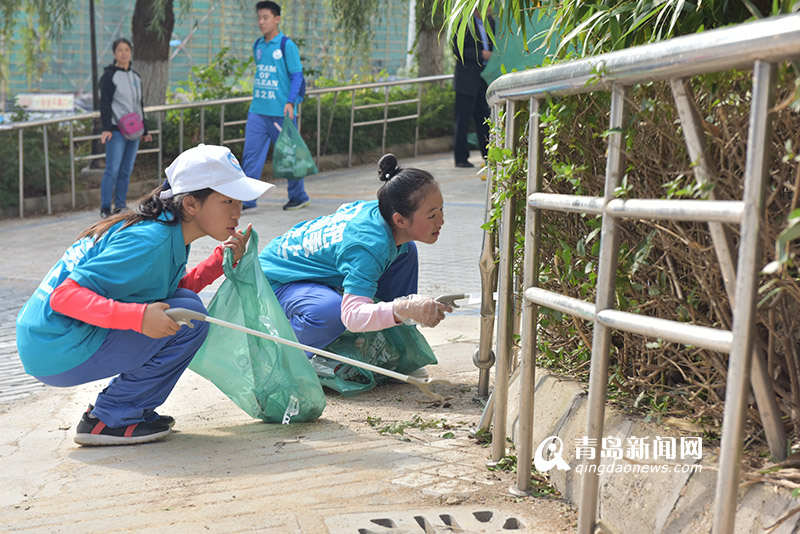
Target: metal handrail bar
(556, 301)
(685, 333)
(402, 118)
(688, 334)
(678, 210)
(390, 119)
(724, 211)
(735, 47)
(757, 46)
(382, 105)
(378, 85)
(222, 103)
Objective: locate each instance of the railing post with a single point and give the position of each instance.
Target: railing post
(352, 120)
(180, 132)
(505, 341)
(47, 171)
(203, 124)
(385, 117)
(744, 314)
(72, 162)
(300, 117)
(530, 311)
(21, 178)
(419, 113)
(759, 374)
(319, 126)
(160, 143)
(484, 357)
(609, 249)
(222, 125)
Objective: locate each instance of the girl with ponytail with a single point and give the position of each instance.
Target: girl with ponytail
(327, 272)
(100, 311)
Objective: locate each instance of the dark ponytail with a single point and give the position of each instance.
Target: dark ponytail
(403, 189)
(149, 208)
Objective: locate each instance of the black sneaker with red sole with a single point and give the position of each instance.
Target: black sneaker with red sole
(92, 431)
(163, 419)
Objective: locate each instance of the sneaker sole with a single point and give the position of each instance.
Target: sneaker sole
(93, 440)
(171, 423)
(299, 206)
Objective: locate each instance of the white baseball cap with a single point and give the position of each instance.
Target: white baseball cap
(214, 167)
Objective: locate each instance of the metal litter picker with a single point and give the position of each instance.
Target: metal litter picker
(185, 316)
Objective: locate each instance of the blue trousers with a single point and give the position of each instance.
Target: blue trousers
(147, 369)
(315, 310)
(259, 132)
(120, 157)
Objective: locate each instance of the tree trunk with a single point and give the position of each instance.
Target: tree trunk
(151, 48)
(430, 50)
(430, 53)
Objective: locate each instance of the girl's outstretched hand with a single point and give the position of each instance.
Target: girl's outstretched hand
(156, 323)
(420, 309)
(238, 243)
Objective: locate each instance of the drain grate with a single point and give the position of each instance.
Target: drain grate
(476, 521)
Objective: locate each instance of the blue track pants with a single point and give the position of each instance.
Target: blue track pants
(259, 132)
(315, 310)
(147, 369)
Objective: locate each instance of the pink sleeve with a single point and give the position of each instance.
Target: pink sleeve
(360, 314)
(81, 303)
(204, 272)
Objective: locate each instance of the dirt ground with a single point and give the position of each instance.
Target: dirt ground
(222, 471)
(395, 411)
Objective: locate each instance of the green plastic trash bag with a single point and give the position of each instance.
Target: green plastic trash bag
(291, 158)
(401, 348)
(509, 52)
(268, 380)
(472, 141)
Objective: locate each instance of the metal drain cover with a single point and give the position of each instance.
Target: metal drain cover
(434, 521)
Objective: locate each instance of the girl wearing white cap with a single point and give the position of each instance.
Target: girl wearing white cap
(328, 272)
(100, 311)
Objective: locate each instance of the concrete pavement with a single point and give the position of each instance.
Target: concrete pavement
(226, 472)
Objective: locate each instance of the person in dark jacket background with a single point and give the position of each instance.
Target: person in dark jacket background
(470, 88)
(120, 94)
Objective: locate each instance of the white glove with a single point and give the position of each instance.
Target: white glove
(419, 309)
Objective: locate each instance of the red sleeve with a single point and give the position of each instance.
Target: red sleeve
(204, 273)
(81, 303)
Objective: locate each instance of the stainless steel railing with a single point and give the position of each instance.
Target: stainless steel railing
(757, 46)
(159, 111)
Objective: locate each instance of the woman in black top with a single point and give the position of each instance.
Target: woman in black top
(120, 95)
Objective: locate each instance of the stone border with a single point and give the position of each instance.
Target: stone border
(672, 503)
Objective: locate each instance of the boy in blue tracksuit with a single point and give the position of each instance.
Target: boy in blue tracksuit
(276, 89)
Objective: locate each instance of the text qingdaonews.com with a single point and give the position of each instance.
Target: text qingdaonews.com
(638, 468)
